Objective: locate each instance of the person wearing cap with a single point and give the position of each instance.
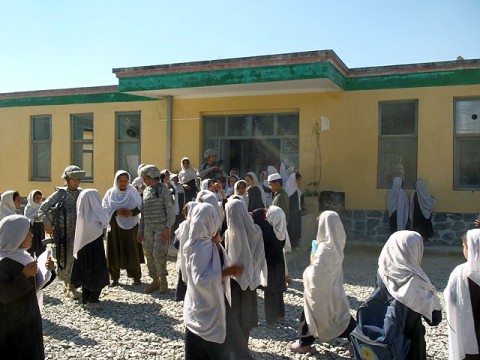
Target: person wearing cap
(280, 196)
(212, 168)
(156, 221)
(59, 215)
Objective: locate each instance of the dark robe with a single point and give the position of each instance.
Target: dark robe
(21, 335)
(274, 303)
(191, 194)
(294, 225)
(90, 267)
(421, 224)
(123, 250)
(244, 307)
(38, 231)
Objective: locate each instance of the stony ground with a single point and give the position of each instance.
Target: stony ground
(134, 325)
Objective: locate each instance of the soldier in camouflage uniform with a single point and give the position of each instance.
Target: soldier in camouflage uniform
(58, 210)
(158, 216)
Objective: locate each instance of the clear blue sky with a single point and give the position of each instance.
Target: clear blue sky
(57, 44)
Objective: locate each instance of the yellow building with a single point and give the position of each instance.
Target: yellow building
(350, 130)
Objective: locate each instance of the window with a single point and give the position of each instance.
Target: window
(240, 139)
(467, 143)
(397, 145)
(41, 147)
(82, 140)
(128, 142)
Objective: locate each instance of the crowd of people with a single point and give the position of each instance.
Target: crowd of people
(231, 232)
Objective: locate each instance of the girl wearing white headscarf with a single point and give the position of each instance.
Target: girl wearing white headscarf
(138, 182)
(34, 201)
(397, 206)
(274, 240)
(21, 281)
(294, 193)
(421, 204)
(401, 276)
(90, 267)
(210, 331)
(326, 310)
(122, 202)
(188, 178)
(9, 202)
(181, 237)
(252, 180)
(244, 245)
(462, 299)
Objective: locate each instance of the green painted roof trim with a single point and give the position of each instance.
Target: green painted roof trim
(232, 77)
(414, 80)
(72, 99)
(298, 72)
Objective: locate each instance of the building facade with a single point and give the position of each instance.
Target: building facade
(347, 130)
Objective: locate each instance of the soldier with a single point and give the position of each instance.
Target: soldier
(158, 217)
(59, 215)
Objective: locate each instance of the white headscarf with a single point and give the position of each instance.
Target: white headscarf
(425, 200)
(204, 184)
(204, 305)
(399, 268)
(327, 311)
(182, 235)
(397, 200)
(291, 187)
(115, 199)
(7, 205)
(138, 181)
(276, 217)
(462, 338)
(206, 196)
(244, 245)
(257, 184)
(91, 219)
(31, 209)
(187, 175)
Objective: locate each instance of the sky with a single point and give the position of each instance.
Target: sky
(56, 44)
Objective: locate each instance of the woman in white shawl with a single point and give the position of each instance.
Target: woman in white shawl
(209, 334)
(188, 177)
(244, 245)
(462, 300)
(34, 201)
(326, 309)
(122, 202)
(90, 267)
(21, 282)
(9, 203)
(421, 204)
(397, 206)
(402, 277)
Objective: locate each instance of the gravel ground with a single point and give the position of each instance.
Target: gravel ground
(135, 325)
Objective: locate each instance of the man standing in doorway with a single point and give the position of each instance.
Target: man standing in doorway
(280, 197)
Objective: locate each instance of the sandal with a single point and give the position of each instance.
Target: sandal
(299, 349)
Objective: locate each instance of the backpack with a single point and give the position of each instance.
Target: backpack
(378, 334)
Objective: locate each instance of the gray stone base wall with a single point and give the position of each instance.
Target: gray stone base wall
(373, 225)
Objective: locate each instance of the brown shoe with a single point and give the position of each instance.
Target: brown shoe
(163, 284)
(154, 285)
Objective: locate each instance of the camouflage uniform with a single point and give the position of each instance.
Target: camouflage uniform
(158, 213)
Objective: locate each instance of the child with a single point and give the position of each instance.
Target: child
(31, 211)
(90, 266)
(9, 203)
(462, 299)
(397, 206)
(420, 216)
(21, 332)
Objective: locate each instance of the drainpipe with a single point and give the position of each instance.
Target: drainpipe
(169, 131)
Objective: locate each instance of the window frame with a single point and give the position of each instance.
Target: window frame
(384, 139)
(457, 141)
(33, 157)
(75, 142)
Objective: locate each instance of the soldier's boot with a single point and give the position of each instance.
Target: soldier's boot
(154, 285)
(163, 284)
